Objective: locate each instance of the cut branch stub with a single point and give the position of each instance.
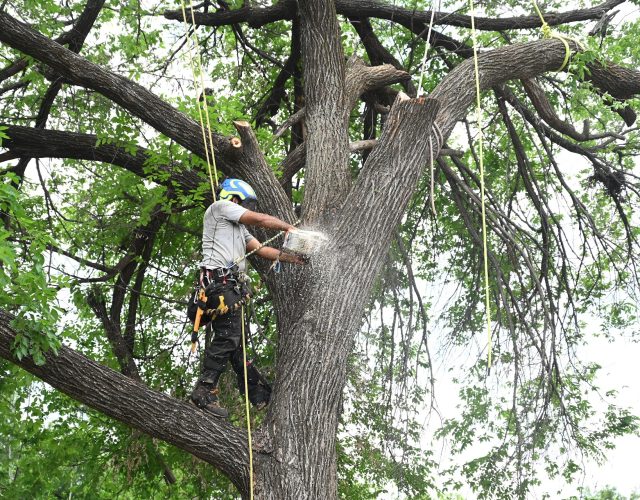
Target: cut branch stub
(252, 167)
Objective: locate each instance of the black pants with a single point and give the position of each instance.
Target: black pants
(226, 342)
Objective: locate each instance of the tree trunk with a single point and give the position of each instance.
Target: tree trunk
(319, 307)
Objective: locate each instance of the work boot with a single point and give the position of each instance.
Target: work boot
(259, 389)
(259, 396)
(205, 396)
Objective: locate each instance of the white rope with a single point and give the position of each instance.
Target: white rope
(438, 133)
(432, 180)
(426, 47)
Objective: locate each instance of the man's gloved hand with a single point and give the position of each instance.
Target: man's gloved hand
(301, 259)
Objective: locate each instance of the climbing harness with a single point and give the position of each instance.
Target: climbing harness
(482, 187)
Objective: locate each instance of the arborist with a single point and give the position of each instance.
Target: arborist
(225, 242)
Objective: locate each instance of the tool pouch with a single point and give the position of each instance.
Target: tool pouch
(222, 298)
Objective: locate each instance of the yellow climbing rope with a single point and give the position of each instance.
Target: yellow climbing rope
(547, 32)
(482, 190)
(213, 178)
(208, 148)
(246, 404)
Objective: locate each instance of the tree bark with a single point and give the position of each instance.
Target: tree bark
(211, 439)
(285, 9)
(137, 100)
(327, 145)
(131, 96)
(320, 306)
(42, 143)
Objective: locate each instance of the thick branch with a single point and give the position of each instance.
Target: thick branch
(39, 143)
(327, 170)
(75, 39)
(522, 61)
(620, 83)
(378, 53)
(547, 113)
(137, 100)
(213, 440)
(401, 154)
(285, 9)
(362, 78)
(253, 167)
(131, 96)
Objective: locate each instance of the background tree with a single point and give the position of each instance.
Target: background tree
(99, 247)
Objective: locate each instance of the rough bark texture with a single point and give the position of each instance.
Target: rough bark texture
(161, 416)
(319, 306)
(327, 169)
(41, 143)
(131, 96)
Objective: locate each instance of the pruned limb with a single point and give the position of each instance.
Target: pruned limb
(393, 168)
(362, 78)
(213, 440)
(378, 53)
(359, 80)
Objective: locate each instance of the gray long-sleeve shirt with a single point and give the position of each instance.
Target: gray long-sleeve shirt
(224, 239)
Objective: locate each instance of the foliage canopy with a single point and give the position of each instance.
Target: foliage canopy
(94, 254)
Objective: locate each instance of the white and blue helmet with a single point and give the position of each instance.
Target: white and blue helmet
(236, 187)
